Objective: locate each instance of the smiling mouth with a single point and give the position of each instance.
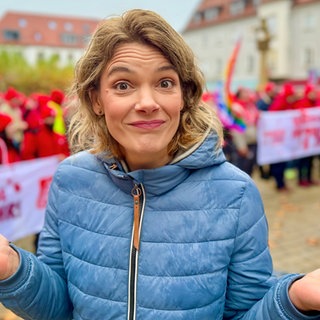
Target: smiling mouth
(147, 124)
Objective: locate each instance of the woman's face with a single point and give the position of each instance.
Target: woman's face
(141, 98)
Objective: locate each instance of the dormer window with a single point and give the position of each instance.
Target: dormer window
(52, 25)
(212, 13)
(237, 7)
(198, 17)
(22, 23)
(86, 28)
(68, 26)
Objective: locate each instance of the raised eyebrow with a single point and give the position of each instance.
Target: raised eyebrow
(118, 69)
(115, 69)
(167, 67)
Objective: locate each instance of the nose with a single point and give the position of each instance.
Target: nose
(146, 101)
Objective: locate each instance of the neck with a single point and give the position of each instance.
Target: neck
(145, 162)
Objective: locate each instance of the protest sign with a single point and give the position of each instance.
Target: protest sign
(288, 135)
(23, 196)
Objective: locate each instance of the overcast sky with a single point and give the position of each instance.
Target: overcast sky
(176, 12)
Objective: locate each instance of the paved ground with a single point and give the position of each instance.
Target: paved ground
(293, 222)
(294, 225)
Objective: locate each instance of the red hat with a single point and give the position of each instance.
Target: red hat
(4, 121)
(11, 94)
(308, 88)
(270, 86)
(57, 96)
(43, 100)
(288, 89)
(47, 112)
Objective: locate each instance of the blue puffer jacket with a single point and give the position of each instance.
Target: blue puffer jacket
(202, 254)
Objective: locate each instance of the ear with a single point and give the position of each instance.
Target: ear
(96, 104)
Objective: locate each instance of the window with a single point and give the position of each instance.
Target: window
(11, 35)
(68, 26)
(37, 36)
(69, 38)
(40, 56)
(310, 21)
(212, 13)
(86, 28)
(22, 23)
(52, 25)
(272, 25)
(237, 7)
(70, 58)
(197, 17)
(309, 57)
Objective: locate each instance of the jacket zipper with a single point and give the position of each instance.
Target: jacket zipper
(138, 208)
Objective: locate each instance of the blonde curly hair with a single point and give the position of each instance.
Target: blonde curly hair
(89, 131)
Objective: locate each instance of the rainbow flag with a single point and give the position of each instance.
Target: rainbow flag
(230, 119)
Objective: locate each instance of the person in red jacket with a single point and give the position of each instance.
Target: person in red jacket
(310, 99)
(45, 142)
(9, 153)
(285, 100)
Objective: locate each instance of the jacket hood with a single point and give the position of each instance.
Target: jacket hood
(160, 180)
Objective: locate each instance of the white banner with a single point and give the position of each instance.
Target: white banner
(23, 196)
(288, 135)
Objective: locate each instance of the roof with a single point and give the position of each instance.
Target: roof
(27, 29)
(214, 12)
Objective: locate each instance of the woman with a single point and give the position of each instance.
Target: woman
(149, 221)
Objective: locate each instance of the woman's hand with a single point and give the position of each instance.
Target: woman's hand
(305, 292)
(9, 259)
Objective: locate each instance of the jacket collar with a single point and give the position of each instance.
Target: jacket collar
(160, 180)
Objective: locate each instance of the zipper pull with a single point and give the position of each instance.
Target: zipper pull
(136, 193)
(113, 166)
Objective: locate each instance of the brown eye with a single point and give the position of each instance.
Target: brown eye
(122, 86)
(166, 84)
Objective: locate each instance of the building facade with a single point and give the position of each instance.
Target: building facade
(37, 36)
(293, 51)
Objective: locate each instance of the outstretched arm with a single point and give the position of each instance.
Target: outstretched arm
(30, 287)
(305, 292)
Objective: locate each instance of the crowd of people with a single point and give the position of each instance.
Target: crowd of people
(241, 146)
(35, 126)
(32, 126)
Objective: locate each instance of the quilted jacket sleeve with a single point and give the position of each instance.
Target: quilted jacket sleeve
(37, 290)
(253, 292)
